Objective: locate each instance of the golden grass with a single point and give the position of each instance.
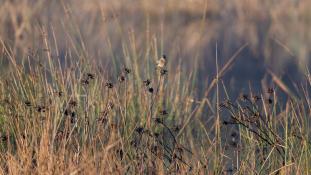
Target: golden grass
(80, 92)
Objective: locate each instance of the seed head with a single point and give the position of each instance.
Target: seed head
(163, 72)
(41, 108)
(90, 76)
(270, 91)
(121, 78)
(163, 112)
(66, 112)
(27, 103)
(139, 130)
(158, 120)
(147, 82)
(59, 93)
(156, 134)
(85, 82)
(256, 98)
(126, 70)
(244, 97)
(109, 85)
(73, 103)
(150, 90)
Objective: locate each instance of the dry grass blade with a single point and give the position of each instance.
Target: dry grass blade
(225, 68)
(282, 85)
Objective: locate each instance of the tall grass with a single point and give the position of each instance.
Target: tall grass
(75, 117)
(68, 106)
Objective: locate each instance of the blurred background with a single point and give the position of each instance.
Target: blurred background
(275, 35)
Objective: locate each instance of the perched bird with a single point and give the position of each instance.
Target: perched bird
(161, 63)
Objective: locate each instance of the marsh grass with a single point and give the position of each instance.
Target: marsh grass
(63, 111)
(80, 119)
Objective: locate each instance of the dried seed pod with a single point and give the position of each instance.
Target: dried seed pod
(244, 97)
(147, 82)
(109, 85)
(158, 120)
(163, 72)
(66, 112)
(156, 134)
(121, 78)
(41, 108)
(163, 112)
(4, 138)
(27, 103)
(140, 130)
(270, 91)
(150, 90)
(73, 103)
(90, 76)
(85, 82)
(59, 93)
(126, 70)
(256, 98)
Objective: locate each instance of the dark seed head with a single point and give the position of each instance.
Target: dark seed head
(73, 117)
(158, 120)
(150, 90)
(256, 98)
(156, 134)
(59, 93)
(270, 101)
(163, 72)
(163, 112)
(90, 76)
(126, 70)
(73, 114)
(4, 138)
(270, 90)
(139, 130)
(73, 103)
(85, 82)
(244, 97)
(27, 103)
(121, 78)
(109, 85)
(147, 82)
(66, 112)
(41, 108)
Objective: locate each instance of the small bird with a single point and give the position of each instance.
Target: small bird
(161, 63)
